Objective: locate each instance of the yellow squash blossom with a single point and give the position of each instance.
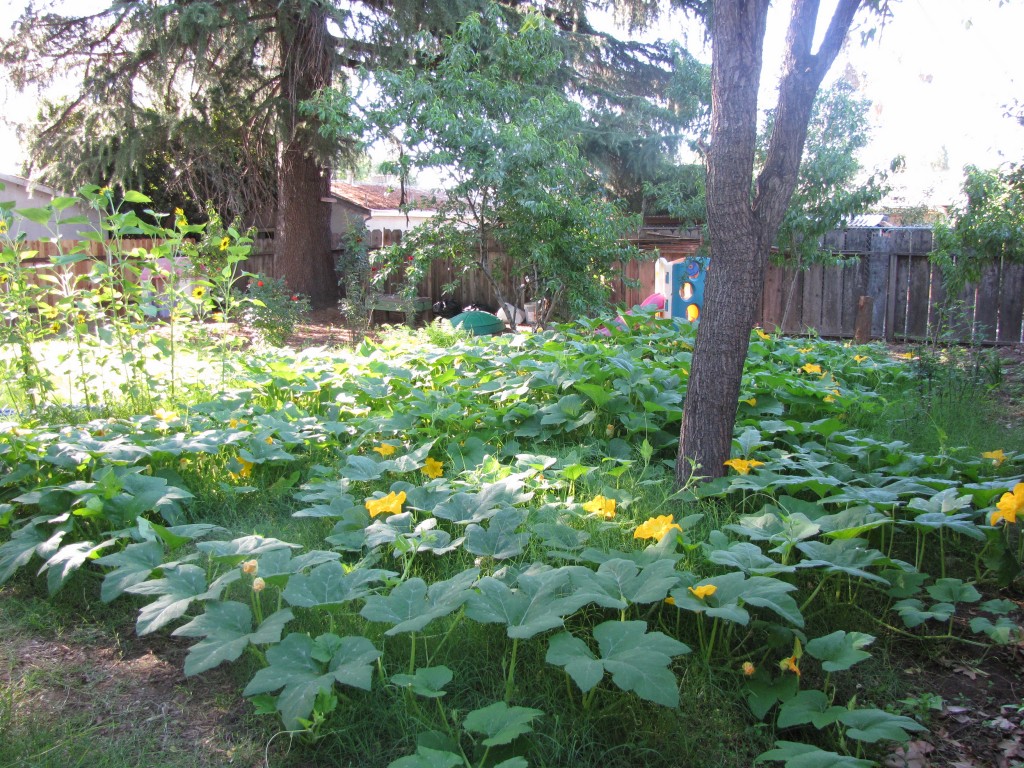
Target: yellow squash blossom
(269, 440)
(907, 355)
(389, 505)
(805, 350)
(670, 600)
(258, 584)
(998, 457)
(743, 466)
(752, 401)
(656, 528)
(601, 507)
(749, 668)
(385, 449)
(163, 415)
(704, 590)
(246, 469)
(762, 335)
(859, 358)
(811, 368)
(790, 664)
(250, 567)
(1009, 506)
(3, 227)
(433, 468)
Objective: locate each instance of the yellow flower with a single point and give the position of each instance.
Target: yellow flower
(385, 449)
(258, 584)
(670, 600)
(748, 668)
(704, 590)
(389, 505)
(811, 368)
(198, 292)
(433, 468)
(751, 402)
(163, 415)
(250, 567)
(609, 430)
(269, 440)
(997, 456)
(1009, 506)
(656, 528)
(762, 335)
(907, 355)
(246, 469)
(805, 350)
(859, 358)
(601, 507)
(790, 664)
(743, 466)
(224, 243)
(3, 227)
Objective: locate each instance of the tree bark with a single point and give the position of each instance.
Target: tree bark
(743, 225)
(302, 241)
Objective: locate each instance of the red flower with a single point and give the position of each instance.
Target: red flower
(295, 298)
(259, 283)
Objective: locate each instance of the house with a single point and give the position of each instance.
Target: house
(27, 194)
(378, 206)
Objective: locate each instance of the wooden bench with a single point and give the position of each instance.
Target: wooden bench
(393, 302)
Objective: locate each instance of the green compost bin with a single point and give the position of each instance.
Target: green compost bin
(478, 323)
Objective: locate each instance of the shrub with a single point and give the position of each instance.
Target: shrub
(274, 310)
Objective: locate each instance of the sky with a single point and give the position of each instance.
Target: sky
(939, 75)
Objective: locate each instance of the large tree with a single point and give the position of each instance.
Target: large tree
(744, 213)
(154, 73)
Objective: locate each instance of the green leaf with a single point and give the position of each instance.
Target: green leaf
(428, 758)
(840, 650)
(638, 660)
(850, 556)
(427, 681)
(19, 549)
(39, 216)
(913, 612)
(412, 605)
(1003, 632)
(763, 693)
(540, 601)
(243, 547)
(625, 581)
(294, 669)
(500, 723)
(797, 755)
(811, 706)
(180, 585)
(227, 629)
(873, 725)
(332, 584)
(499, 540)
(953, 591)
(132, 196)
(131, 566)
(68, 559)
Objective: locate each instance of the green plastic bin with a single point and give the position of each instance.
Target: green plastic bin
(478, 323)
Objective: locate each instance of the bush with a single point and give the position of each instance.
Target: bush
(274, 310)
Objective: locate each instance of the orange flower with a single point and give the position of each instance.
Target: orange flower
(748, 668)
(1009, 506)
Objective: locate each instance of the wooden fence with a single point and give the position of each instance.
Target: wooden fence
(890, 265)
(893, 268)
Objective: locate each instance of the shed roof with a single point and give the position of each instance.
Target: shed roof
(378, 197)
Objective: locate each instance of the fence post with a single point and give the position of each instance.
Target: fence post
(862, 325)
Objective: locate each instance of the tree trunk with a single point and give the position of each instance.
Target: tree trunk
(743, 225)
(302, 239)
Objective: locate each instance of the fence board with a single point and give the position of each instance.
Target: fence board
(812, 290)
(901, 294)
(919, 288)
(771, 298)
(1011, 304)
(986, 305)
(831, 302)
(792, 302)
